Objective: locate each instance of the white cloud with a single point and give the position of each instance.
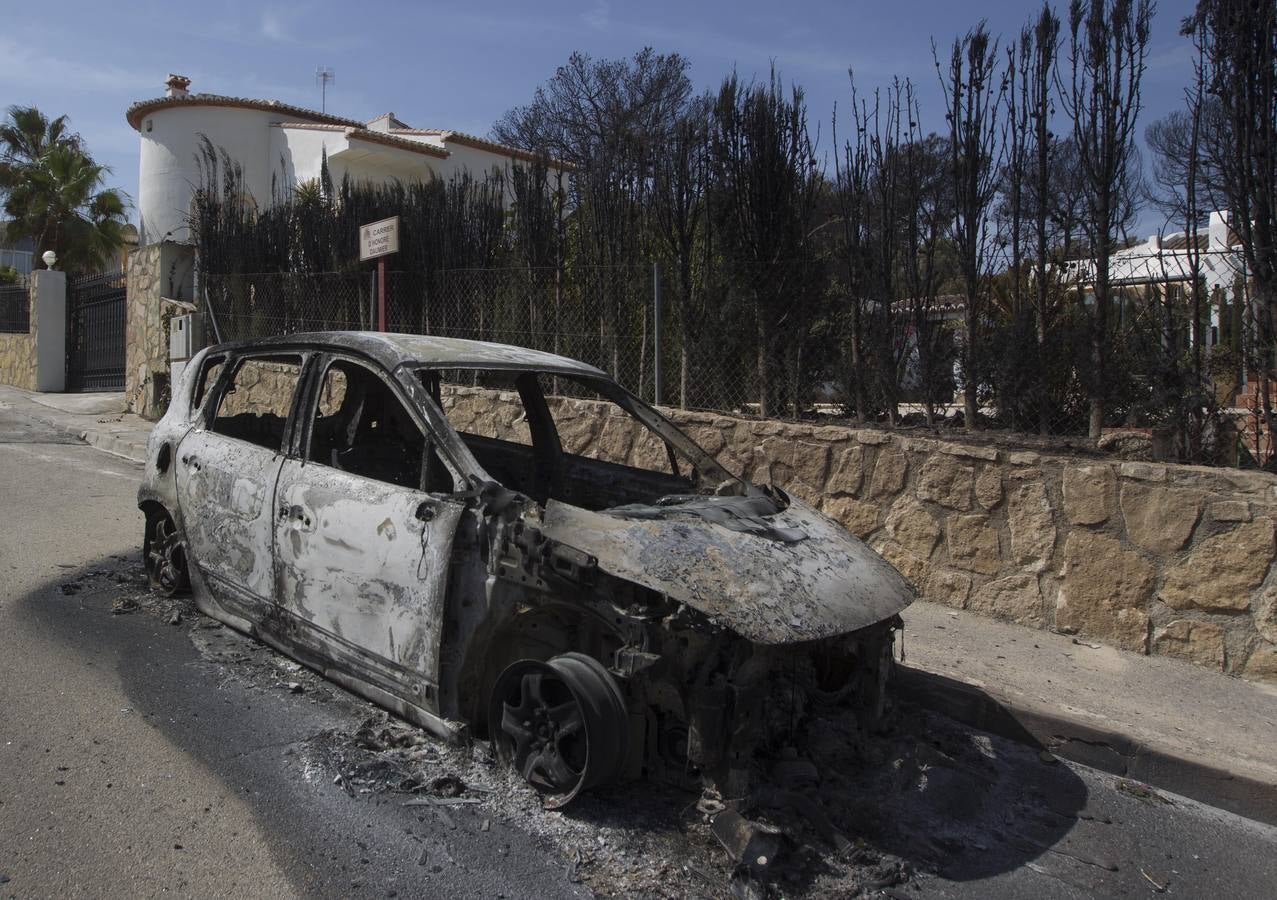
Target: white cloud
(272, 27)
(599, 17)
(22, 66)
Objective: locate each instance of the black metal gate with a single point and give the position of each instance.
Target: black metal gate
(95, 333)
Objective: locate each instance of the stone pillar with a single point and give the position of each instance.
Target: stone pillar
(49, 313)
(155, 272)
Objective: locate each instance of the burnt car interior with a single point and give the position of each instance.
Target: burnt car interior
(362, 427)
(545, 464)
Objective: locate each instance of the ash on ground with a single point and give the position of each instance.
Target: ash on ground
(877, 816)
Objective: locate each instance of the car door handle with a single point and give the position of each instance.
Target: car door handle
(425, 512)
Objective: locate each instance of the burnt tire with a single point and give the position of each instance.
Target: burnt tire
(164, 555)
(561, 724)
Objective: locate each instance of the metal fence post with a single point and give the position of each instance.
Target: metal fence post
(658, 369)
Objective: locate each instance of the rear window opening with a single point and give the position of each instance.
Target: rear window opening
(572, 439)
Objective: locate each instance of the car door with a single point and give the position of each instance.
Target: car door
(365, 531)
(227, 466)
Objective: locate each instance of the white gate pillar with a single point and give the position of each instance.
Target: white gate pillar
(49, 309)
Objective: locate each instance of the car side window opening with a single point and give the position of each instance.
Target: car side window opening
(205, 380)
(362, 427)
(255, 403)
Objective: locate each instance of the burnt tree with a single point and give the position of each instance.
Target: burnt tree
(768, 184)
(973, 95)
(1108, 47)
(1238, 44)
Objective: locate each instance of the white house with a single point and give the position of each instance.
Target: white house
(278, 142)
(1164, 262)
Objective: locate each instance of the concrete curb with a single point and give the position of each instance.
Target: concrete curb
(1081, 742)
(115, 444)
(120, 434)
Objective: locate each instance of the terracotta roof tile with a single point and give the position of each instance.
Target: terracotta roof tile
(359, 130)
(141, 108)
(470, 140)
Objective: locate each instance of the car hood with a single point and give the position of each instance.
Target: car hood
(772, 577)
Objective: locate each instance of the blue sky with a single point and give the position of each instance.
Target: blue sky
(460, 65)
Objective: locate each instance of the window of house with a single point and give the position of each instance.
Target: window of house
(362, 427)
(254, 407)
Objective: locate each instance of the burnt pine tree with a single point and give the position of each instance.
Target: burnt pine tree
(610, 119)
(538, 233)
(768, 185)
(853, 166)
(922, 363)
(888, 125)
(1044, 40)
(1181, 188)
(1017, 84)
(1108, 46)
(973, 94)
(680, 225)
(1238, 43)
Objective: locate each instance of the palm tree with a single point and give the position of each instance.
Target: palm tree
(55, 194)
(28, 133)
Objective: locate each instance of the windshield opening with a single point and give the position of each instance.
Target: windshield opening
(571, 438)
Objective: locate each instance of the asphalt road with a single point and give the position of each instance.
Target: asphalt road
(135, 764)
(131, 767)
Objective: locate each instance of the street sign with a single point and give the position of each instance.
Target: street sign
(379, 239)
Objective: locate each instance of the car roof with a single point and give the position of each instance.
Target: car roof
(394, 350)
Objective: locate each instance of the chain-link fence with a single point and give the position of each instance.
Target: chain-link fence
(909, 367)
(607, 317)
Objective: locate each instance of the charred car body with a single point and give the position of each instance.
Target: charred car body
(597, 620)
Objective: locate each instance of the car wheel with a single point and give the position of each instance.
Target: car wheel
(561, 724)
(165, 557)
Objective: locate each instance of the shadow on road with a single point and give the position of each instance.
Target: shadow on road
(929, 796)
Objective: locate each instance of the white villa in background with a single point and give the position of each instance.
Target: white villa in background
(1163, 263)
(283, 144)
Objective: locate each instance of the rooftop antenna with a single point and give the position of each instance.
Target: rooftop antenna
(323, 75)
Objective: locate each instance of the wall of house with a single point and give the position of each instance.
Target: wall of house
(169, 171)
(301, 151)
(1159, 559)
(479, 163)
(299, 154)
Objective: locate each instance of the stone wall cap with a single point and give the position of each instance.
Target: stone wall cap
(969, 451)
(871, 436)
(1143, 471)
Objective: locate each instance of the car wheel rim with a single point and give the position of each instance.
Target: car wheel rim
(561, 724)
(165, 559)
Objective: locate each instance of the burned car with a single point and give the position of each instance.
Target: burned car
(500, 542)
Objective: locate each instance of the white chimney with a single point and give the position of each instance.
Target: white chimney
(176, 86)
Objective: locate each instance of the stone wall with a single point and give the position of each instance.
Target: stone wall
(155, 271)
(18, 357)
(1163, 559)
